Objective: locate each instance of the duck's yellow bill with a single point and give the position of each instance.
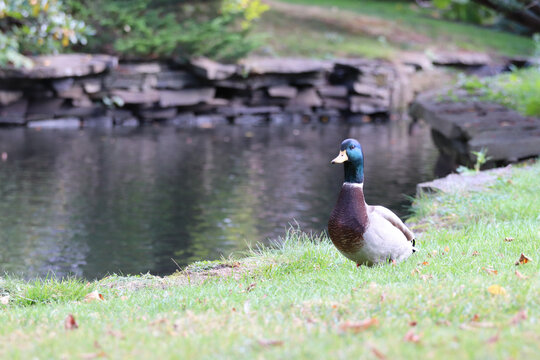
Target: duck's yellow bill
(341, 158)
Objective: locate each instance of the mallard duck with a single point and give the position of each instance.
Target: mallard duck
(365, 234)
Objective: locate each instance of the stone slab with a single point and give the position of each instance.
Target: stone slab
(9, 96)
(212, 70)
(62, 66)
(283, 66)
(185, 97)
(14, 113)
(139, 97)
(455, 183)
(283, 91)
(66, 123)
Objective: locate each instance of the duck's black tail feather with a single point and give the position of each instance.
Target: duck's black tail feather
(413, 245)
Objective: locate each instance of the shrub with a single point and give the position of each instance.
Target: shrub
(34, 27)
(165, 28)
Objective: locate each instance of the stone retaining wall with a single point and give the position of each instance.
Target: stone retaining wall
(77, 90)
(91, 90)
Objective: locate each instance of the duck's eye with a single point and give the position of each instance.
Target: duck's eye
(352, 147)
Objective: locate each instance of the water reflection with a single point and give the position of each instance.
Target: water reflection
(92, 202)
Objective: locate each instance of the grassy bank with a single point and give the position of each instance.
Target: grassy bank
(460, 296)
(519, 89)
(372, 28)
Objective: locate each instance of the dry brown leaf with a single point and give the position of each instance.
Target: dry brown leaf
(378, 354)
(70, 323)
(508, 239)
(425, 263)
(4, 300)
(475, 317)
(93, 296)
(411, 336)
(493, 339)
(496, 290)
(267, 342)
(490, 270)
(475, 253)
(413, 323)
(519, 317)
(357, 326)
(520, 275)
(523, 259)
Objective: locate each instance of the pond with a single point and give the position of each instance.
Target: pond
(94, 202)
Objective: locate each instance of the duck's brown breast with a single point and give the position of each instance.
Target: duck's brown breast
(349, 220)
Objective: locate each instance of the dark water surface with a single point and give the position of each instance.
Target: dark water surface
(94, 202)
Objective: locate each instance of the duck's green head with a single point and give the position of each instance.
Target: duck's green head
(352, 157)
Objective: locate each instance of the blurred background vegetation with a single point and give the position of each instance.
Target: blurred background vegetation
(227, 30)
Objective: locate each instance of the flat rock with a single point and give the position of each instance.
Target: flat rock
(455, 183)
(504, 133)
(307, 97)
(9, 96)
(284, 66)
(62, 66)
(335, 91)
(14, 113)
(139, 97)
(420, 61)
(92, 86)
(66, 123)
(185, 97)
(460, 58)
(283, 91)
(371, 90)
(212, 70)
(140, 68)
(244, 110)
(158, 113)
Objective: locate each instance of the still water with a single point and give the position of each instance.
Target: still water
(91, 202)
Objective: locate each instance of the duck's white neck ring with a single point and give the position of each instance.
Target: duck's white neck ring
(360, 185)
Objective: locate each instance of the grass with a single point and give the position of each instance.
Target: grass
(374, 29)
(305, 300)
(519, 89)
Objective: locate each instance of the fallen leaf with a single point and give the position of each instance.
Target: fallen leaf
(70, 323)
(378, 354)
(4, 300)
(93, 296)
(425, 263)
(411, 336)
(493, 339)
(520, 275)
(413, 323)
(523, 259)
(251, 287)
(496, 290)
(519, 317)
(490, 270)
(475, 317)
(446, 249)
(357, 326)
(267, 342)
(508, 239)
(475, 253)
